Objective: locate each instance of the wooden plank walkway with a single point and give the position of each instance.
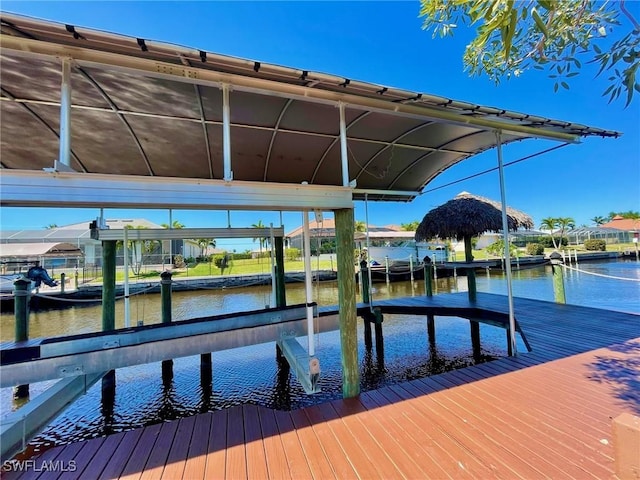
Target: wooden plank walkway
(544, 414)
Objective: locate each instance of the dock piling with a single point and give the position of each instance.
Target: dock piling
(428, 277)
(431, 329)
(475, 339)
(108, 305)
(21, 311)
(558, 277)
(62, 280)
(165, 299)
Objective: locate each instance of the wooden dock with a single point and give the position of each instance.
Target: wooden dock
(544, 414)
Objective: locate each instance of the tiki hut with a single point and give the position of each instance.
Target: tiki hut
(464, 217)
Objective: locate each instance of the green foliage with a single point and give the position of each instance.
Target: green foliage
(534, 249)
(552, 242)
(178, 261)
(597, 220)
(175, 225)
(550, 35)
(292, 254)
(497, 249)
(630, 214)
(360, 226)
(410, 227)
(595, 244)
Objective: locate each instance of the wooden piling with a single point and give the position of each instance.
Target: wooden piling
(431, 329)
(108, 285)
(347, 302)
(281, 294)
(21, 296)
(62, 280)
(558, 277)
(364, 280)
(471, 274)
(368, 339)
(428, 277)
(108, 306)
(475, 340)
(167, 317)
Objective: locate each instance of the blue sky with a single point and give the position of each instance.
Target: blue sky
(382, 43)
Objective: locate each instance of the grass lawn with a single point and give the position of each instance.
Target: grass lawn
(237, 267)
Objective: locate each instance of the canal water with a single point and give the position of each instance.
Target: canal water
(252, 374)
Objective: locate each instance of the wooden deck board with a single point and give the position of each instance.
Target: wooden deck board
(236, 463)
(318, 463)
(160, 451)
(196, 462)
(256, 459)
(298, 465)
(118, 460)
(216, 463)
(277, 466)
(543, 414)
(140, 454)
(340, 464)
(174, 467)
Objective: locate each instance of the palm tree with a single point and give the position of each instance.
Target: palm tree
(51, 226)
(176, 225)
(262, 241)
(565, 223)
(203, 243)
(360, 226)
(137, 249)
(598, 220)
(410, 227)
(550, 224)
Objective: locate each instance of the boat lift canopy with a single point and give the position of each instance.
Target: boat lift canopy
(146, 124)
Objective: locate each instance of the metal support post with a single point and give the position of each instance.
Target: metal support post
(65, 114)
(226, 134)
(507, 253)
(308, 280)
(343, 146)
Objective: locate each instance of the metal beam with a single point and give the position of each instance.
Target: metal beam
(43, 189)
(93, 353)
(138, 234)
(20, 426)
(305, 366)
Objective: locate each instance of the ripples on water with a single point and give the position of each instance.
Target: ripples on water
(252, 374)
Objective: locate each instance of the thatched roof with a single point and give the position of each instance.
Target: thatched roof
(468, 215)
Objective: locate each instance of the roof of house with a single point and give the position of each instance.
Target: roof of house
(628, 224)
(36, 250)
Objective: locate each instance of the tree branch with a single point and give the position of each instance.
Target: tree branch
(631, 18)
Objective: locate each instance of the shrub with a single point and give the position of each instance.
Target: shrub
(547, 242)
(595, 244)
(178, 261)
(293, 254)
(535, 249)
